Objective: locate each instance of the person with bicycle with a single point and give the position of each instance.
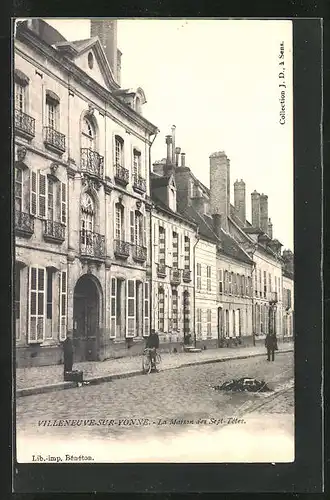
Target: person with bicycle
(153, 345)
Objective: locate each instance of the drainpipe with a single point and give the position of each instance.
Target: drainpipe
(194, 268)
(150, 236)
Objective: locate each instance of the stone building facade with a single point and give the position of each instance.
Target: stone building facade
(82, 205)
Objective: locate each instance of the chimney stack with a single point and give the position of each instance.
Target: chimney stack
(168, 141)
(106, 30)
(220, 187)
(173, 143)
(239, 200)
(177, 156)
(270, 228)
(255, 208)
(264, 213)
(183, 159)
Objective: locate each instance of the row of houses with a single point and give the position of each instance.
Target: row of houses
(109, 245)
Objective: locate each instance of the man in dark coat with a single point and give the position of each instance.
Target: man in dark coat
(271, 346)
(68, 354)
(153, 345)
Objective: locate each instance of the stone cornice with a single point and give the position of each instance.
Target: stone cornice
(28, 37)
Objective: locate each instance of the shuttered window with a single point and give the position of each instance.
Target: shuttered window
(146, 329)
(33, 192)
(209, 323)
(130, 309)
(63, 203)
(113, 307)
(199, 276)
(63, 304)
(37, 304)
(208, 278)
(220, 281)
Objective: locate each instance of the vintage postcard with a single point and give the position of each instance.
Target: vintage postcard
(154, 276)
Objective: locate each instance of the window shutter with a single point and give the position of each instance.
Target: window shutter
(144, 230)
(63, 305)
(146, 311)
(33, 193)
(132, 226)
(37, 304)
(42, 191)
(63, 203)
(113, 307)
(130, 308)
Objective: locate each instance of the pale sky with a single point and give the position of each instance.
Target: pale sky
(218, 82)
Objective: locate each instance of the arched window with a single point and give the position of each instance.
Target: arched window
(87, 220)
(88, 135)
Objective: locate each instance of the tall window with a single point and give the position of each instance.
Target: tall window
(174, 309)
(52, 109)
(18, 189)
(234, 284)
(199, 322)
(136, 164)
(20, 97)
(119, 222)
(37, 278)
(226, 282)
(113, 307)
(255, 283)
(186, 253)
(220, 281)
(50, 203)
(234, 323)
(63, 304)
(227, 324)
(209, 323)
(119, 151)
(146, 309)
(265, 284)
(244, 288)
(161, 255)
(87, 220)
(260, 287)
(161, 303)
(49, 275)
(199, 276)
(230, 281)
(131, 309)
(175, 254)
(208, 278)
(270, 282)
(88, 135)
(139, 229)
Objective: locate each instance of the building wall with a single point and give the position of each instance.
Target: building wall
(235, 301)
(167, 333)
(206, 296)
(288, 307)
(75, 98)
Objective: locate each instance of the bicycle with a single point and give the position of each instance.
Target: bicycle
(146, 361)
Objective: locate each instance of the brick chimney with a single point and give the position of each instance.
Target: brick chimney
(220, 187)
(270, 229)
(183, 159)
(168, 140)
(239, 200)
(177, 156)
(106, 30)
(264, 213)
(255, 208)
(173, 128)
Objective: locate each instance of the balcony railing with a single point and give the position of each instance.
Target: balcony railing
(54, 231)
(121, 175)
(91, 162)
(92, 244)
(139, 184)
(24, 224)
(54, 139)
(121, 249)
(175, 276)
(161, 270)
(273, 299)
(24, 124)
(139, 253)
(186, 275)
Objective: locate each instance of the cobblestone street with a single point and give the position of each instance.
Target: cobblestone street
(183, 394)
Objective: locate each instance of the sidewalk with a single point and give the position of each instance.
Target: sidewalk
(37, 380)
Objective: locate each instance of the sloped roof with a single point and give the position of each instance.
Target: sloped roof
(160, 180)
(162, 206)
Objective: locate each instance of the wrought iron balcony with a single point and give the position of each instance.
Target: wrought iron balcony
(91, 162)
(121, 249)
(24, 224)
(54, 140)
(273, 299)
(121, 175)
(24, 124)
(139, 253)
(139, 184)
(186, 275)
(161, 270)
(54, 231)
(92, 244)
(175, 275)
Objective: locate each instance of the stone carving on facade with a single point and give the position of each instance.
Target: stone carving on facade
(91, 110)
(21, 153)
(90, 184)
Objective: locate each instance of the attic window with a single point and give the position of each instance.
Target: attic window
(90, 60)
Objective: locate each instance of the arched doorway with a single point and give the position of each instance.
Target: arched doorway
(86, 314)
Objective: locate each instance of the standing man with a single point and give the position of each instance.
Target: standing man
(271, 346)
(153, 345)
(68, 354)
